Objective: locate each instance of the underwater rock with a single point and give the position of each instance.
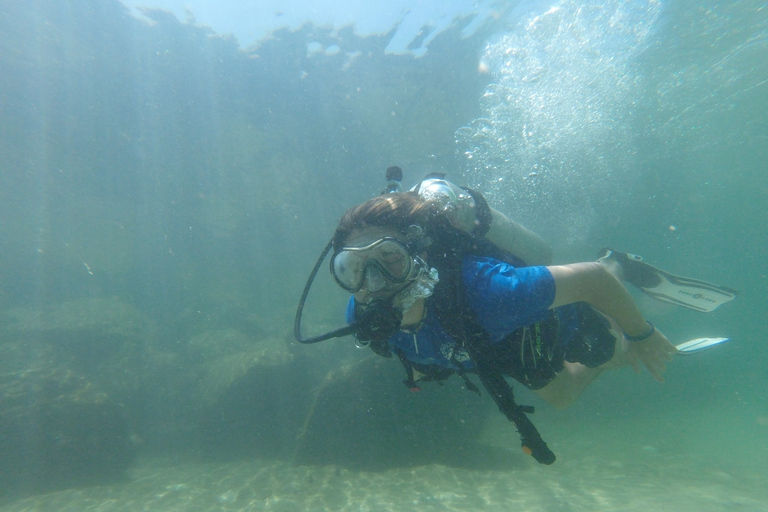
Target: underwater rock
(224, 356)
(101, 338)
(211, 345)
(268, 401)
(363, 417)
(224, 372)
(251, 400)
(84, 328)
(57, 429)
(72, 377)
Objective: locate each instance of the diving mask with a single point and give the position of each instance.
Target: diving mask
(373, 266)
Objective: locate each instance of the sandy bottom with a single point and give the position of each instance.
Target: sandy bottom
(679, 459)
(652, 481)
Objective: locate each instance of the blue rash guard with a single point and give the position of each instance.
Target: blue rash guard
(503, 298)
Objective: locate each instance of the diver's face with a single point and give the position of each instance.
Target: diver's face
(376, 285)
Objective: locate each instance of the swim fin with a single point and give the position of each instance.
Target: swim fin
(661, 285)
(693, 346)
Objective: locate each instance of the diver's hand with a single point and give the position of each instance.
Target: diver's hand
(653, 352)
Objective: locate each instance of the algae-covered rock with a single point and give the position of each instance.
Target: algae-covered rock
(251, 396)
(226, 356)
(102, 338)
(97, 325)
(207, 346)
(71, 376)
(362, 416)
(57, 428)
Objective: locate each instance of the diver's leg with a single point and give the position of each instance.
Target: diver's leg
(570, 382)
(574, 378)
(613, 266)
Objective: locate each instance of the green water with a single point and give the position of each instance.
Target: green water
(164, 194)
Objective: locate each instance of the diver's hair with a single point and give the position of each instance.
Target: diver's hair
(396, 211)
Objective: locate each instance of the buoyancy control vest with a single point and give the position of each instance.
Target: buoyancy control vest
(454, 313)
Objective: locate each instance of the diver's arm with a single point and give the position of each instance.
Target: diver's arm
(518, 240)
(593, 284)
(467, 210)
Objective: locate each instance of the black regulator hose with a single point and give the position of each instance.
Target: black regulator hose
(337, 333)
(372, 328)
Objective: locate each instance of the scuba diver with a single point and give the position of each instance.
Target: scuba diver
(436, 284)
